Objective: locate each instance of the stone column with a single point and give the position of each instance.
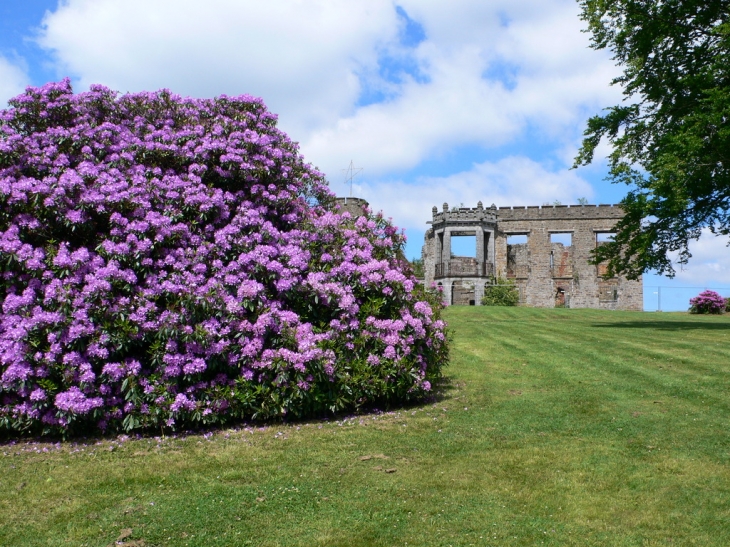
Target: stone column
(539, 283)
(478, 291)
(585, 288)
(446, 252)
(479, 236)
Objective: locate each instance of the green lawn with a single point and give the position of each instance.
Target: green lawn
(556, 427)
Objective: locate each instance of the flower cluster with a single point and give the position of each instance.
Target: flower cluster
(168, 261)
(707, 302)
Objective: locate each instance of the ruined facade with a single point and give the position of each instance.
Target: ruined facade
(544, 250)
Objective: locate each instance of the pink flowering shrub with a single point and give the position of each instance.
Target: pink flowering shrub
(707, 302)
(171, 262)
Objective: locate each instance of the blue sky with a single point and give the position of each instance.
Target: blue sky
(454, 102)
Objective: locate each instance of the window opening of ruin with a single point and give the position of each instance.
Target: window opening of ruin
(517, 256)
(565, 238)
(602, 268)
(517, 239)
(561, 254)
(464, 246)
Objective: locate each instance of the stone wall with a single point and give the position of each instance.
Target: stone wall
(355, 206)
(518, 262)
(548, 273)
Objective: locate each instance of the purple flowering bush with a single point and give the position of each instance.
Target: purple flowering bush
(707, 302)
(171, 262)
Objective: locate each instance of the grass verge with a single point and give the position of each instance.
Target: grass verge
(556, 427)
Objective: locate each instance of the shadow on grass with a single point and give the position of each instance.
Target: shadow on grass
(665, 325)
(442, 390)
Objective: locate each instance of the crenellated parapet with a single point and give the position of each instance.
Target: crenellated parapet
(561, 212)
(463, 215)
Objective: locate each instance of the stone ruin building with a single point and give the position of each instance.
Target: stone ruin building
(544, 250)
(355, 206)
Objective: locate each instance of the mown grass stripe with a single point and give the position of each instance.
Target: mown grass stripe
(556, 427)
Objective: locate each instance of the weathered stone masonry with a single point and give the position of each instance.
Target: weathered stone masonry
(547, 273)
(355, 206)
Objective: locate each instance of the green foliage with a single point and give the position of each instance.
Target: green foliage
(502, 292)
(417, 267)
(671, 138)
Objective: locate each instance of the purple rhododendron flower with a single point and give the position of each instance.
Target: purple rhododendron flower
(38, 394)
(75, 402)
(182, 403)
(707, 302)
(175, 260)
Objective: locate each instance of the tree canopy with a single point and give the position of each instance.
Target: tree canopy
(671, 136)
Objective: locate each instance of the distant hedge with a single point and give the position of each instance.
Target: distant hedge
(170, 262)
(502, 292)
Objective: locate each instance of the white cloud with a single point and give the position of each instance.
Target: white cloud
(301, 56)
(489, 82)
(492, 70)
(456, 107)
(710, 262)
(13, 80)
(489, 73)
